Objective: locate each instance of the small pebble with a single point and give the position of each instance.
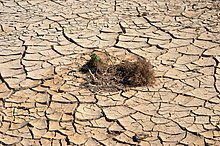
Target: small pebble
(139, 137)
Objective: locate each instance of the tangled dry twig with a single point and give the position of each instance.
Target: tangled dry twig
(124, 74)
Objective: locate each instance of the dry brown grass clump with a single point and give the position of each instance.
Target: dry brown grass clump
(124, 74)
(138, 73)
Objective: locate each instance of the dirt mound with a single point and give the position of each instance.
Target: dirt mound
(123, 74)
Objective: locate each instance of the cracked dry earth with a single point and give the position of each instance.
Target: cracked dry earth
(43, 43)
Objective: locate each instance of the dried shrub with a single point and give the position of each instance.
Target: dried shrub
(124, 74)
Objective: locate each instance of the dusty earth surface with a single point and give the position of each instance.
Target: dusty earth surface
(43, 43)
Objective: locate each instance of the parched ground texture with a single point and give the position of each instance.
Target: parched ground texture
(43, 43)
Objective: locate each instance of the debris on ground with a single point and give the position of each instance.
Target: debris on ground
(123, 74)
